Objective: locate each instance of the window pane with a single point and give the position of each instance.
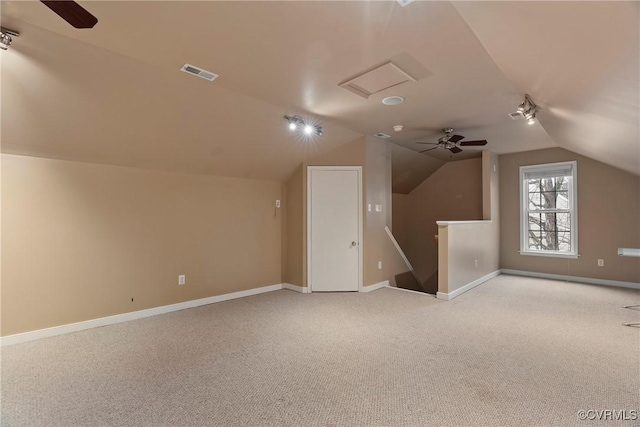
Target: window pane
(548, 200)
(534, 201)
(562, 200)
(534, 240)
(563, 221)
(548, 222)
(549, 241)
(564, 241)
(534, 185)
(564, 184)
(535, 222)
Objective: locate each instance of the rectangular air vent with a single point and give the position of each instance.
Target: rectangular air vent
(197, 71)
(382, 135)
(516, 115)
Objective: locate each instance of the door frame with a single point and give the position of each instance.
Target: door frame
(360, 219)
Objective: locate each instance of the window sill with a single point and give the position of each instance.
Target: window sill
(550, 254)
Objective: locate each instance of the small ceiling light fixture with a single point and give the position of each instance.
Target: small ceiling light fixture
(528, 109)
(393, 100)
(296, 122)
(398, 128)
(6, 37)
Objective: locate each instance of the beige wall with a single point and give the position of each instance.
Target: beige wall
(378, 245)
(453, 192)
(80, 241)
(375, 158)
(293, 246)
(399, 220)
(608, 218)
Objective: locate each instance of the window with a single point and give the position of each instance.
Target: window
(548, 219)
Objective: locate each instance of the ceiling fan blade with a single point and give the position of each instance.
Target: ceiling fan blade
(428, 149)
(432, 143)
(469, 143)
(456, 138)
(455, 150)
(73, 13)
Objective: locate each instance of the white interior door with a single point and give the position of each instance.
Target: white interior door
(334, 252)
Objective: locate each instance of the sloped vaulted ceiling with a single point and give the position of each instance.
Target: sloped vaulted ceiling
(579, 60)
(115, 95)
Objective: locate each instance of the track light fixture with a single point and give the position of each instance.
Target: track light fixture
(528, 109)
(296, 123)
(6, 37)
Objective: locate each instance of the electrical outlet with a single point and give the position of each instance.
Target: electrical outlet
(378, 208)
(379, 265)
(600, 263)
(182, 279)
(277, 203)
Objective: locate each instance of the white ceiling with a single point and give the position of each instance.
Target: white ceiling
(114, 94)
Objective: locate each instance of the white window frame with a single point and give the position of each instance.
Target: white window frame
(573, 209)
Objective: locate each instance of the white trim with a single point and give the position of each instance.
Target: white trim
(412, 291)
(296, 288)
(125, 317)
(360, 220)
(550, 254)
(398, 248)
(375, 286)
(572, 211)
(477, 221)
(588, 280)
(467, 287)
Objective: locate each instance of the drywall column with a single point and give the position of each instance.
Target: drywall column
(469, 251)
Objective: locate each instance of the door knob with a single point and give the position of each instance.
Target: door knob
(354, 243)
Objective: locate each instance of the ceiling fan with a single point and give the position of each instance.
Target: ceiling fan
(73, 13)
(452, 142)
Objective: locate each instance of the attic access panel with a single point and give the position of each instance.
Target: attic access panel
(377, 79)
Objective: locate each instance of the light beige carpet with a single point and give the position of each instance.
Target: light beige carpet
(513, 351)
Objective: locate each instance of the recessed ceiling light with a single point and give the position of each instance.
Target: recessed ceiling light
(393, 100)
(398, 128)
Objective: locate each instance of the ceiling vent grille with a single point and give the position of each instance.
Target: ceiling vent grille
(516, 115)
(197, 71)
(382, 135)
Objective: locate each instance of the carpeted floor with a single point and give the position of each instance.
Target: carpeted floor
(513, 351)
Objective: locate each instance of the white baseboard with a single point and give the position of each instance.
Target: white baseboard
(467, 287)
(375, 286)
(125, 317)
(589, 280)
(412, 291)
(301, 289)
